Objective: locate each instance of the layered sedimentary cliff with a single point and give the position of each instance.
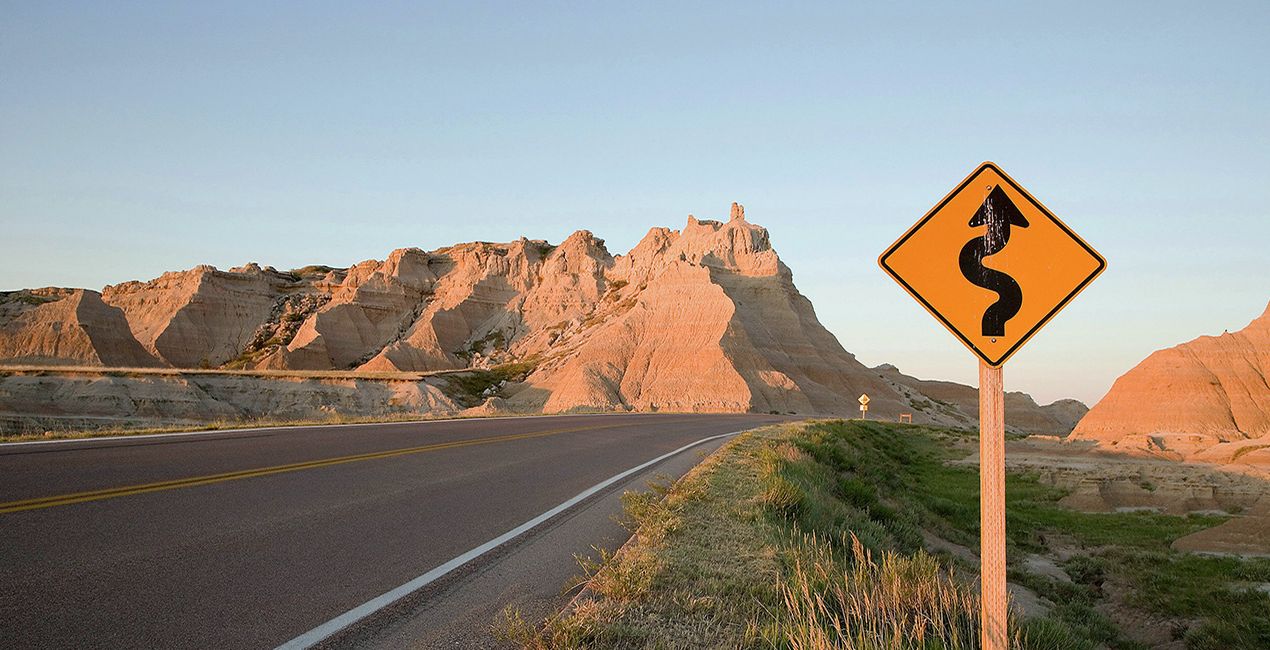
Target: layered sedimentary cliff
(1207, 399)
(706, 318)
(66, 327)
(35, 402)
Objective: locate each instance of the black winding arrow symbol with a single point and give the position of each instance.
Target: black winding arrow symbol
(998, 213)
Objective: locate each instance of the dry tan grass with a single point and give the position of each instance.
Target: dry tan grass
(899, 602)
(696, 573)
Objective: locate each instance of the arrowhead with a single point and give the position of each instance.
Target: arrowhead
(1002, 207)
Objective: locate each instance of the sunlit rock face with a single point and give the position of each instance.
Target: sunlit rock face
(1207, 398)
(66, 327)
(706, 318)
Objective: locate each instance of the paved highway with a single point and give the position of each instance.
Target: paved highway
(257, 538)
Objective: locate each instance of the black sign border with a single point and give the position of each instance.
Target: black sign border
(1102, 264)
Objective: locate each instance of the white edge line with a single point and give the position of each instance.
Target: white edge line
(297, 427)
(339, 623)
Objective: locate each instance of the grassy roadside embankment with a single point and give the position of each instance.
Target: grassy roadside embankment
(814, 535)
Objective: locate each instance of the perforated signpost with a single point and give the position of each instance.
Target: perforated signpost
(993, 266)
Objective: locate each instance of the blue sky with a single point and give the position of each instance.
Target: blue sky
(140, 138)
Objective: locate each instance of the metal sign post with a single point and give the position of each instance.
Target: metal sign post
(993, 265)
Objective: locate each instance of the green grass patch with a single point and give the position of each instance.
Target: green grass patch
(312, 270)
(470, 387)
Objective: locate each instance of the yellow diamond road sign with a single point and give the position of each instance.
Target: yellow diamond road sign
(864, 400)
(992, 263)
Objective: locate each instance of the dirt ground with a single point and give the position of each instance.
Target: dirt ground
(1110, 482)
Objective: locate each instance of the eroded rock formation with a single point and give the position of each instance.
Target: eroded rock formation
(1207, 399)
(66, 327)
(706, 318)
(35, 402)
(961, 403)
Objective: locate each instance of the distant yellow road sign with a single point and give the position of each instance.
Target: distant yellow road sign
(864, 400)
(992, 264)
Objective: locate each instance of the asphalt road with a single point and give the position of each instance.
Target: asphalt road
(248, 539)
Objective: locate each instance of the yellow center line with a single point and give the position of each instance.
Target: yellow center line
(194, 481)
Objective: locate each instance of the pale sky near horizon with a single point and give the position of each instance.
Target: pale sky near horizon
(137, 138)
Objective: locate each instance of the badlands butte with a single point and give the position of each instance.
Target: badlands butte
(703, 319)
(1207, 399)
